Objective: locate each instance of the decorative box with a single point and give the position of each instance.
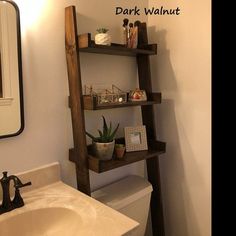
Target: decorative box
(106, 96)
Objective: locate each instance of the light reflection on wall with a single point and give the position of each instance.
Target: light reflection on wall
(30, 11)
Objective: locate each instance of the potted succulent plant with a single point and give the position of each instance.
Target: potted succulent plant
(102, 37)
(103, 145)
(119, 150)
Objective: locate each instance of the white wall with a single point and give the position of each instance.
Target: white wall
(48, 135)
(182, 73)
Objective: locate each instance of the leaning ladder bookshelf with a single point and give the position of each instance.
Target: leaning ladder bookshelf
(80, 154)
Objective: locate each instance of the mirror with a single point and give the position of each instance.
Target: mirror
(11, 88)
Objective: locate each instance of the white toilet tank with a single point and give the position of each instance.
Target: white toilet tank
(130, 196)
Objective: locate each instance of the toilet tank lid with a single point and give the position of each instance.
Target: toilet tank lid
(123, 192)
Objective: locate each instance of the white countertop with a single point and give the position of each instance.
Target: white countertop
(95, 218)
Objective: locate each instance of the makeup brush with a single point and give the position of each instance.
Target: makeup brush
(130, 34)
(125, 31)
(134, 40)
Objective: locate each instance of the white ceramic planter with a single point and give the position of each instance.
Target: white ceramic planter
(104, 151)
(103, 39)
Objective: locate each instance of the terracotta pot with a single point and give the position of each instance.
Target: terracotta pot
(120, 151)
(104, 151)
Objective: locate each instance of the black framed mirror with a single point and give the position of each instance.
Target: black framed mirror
(11, 84)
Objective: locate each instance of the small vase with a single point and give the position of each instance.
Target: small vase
(104, 151)
(120, 151)
(103, 39)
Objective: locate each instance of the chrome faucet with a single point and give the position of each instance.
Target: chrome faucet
(7, 203)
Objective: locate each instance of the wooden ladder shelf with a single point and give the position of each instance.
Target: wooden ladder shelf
(80, 154)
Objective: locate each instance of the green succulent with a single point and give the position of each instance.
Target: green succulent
(107, 135)
(119, 145)
(102, 30)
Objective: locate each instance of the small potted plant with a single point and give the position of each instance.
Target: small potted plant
(103, 145)
(102, 37)
(119, 150)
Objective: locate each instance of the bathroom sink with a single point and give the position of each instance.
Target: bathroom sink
(59, 210)
(53, 208)
(53, 221)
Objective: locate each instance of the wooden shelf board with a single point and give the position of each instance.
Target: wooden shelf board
(88, 45)
(99, 166)
(155, 148)
(90, 102)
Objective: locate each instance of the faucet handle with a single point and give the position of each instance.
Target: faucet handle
(17, 182)
(4, 177)
(4, 173)
(21, 185)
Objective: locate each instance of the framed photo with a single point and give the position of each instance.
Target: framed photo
(135, 138)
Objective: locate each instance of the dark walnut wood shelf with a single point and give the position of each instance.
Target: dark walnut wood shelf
(81, 153)
(88, 45)
(90, 102)
(155, 148)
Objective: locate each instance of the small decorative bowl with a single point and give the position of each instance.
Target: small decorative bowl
(137, 95)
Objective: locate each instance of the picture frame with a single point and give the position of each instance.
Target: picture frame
(135, 138)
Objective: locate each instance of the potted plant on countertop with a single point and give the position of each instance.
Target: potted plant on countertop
(103, 145)
(102, 37)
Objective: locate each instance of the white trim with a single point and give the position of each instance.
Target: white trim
(6, 101)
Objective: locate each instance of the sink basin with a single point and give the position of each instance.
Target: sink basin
(52, 208)
(53, 221)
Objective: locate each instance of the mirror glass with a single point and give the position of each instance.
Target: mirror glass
(11, 89)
